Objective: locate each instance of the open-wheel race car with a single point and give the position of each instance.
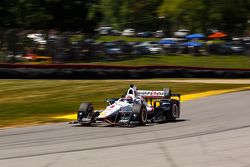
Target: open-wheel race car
(136, 107)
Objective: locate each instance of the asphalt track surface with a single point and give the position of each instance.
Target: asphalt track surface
(213, 131)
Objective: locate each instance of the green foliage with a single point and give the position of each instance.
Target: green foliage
(62, 14)
(200, 15)
(136, 14)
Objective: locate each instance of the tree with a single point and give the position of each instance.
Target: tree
(44, 14)
(8, 11)
(138, 14)
(233, 15)
(201, 15)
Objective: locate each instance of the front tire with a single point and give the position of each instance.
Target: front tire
(85, 110)
(141, 112)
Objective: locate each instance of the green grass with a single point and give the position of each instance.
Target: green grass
(25, 102)
(124, 38)
(216, 61)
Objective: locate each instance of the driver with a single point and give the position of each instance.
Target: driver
(129, 98)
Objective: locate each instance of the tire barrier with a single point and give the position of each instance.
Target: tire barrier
(16, 71)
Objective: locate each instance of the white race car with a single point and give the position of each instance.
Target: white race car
(136, 107)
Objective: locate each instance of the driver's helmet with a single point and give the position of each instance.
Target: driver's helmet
(129, 97)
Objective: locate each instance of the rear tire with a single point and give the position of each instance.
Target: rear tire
(141, 112)
(174, 112)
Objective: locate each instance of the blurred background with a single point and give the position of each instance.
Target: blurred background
(101, 31)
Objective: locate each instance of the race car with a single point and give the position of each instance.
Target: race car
(135, 107)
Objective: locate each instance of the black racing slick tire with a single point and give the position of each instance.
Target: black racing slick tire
(85, 110)
(174, 112)
(141, 112)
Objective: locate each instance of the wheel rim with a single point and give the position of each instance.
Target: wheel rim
(90, 109)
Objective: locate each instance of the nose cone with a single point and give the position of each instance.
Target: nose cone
(110, 110)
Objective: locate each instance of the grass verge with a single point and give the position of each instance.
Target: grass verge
(214, 61)
(124, 38)
(25, 102)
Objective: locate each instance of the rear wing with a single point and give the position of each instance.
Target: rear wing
(152, 94)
